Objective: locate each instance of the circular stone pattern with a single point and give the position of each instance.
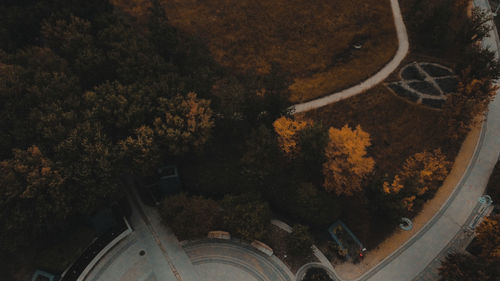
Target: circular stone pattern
(425, 83)
(230, 261)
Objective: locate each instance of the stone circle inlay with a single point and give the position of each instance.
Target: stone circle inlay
(425, 83)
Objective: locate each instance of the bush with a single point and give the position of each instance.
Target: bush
(316, 274)
(314, 206)
(299, 242)
(189, 217)
(460, 266)
(246, 216)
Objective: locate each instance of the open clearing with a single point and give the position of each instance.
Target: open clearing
(311, 40)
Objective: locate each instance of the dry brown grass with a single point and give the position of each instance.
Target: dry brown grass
(397, 128)
(310, 39)
(137, 8)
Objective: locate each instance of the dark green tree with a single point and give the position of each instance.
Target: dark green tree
(458, 267)
(33, 199)
(183, 124)
(139, 154)
(316, 274)
(300, 241)
(246, 216)
(190, 217)
(87, 162)
(314, 206)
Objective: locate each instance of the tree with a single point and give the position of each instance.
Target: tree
(246, 216)
(139, 154)
(300, 241)
(33, 199)
(428, 169)
(486, 265)
(462, 109)
(346, 165)
(287, 130)
(87, 162)
(312, 142)
(316, 274)
(488, 236)
(73, 40)
(184, 124)
(420, 176)
(162, 34)
(38, 99)
(189, 217)
(459, 267)
(262, 161)
(313, 206)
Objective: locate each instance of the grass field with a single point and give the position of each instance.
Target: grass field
(311, 40)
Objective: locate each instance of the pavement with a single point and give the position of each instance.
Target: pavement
(150, 253)
(373, 80)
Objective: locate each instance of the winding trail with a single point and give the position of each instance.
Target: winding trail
(380, 76)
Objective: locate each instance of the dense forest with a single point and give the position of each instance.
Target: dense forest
(88, 95)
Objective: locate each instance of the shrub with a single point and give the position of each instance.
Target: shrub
(314, 206)
(189, 217)
(299, 242)
(246, 216)
(460, 266)
(316, 274)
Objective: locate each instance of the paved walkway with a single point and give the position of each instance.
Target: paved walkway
(150, 253)
(375, 79)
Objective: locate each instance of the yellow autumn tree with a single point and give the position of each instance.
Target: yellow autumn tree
(428, 169)
(346, 165)
(421, 173)
(393, 187)
(287, 130)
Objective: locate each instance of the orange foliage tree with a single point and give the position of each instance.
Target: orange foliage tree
(346, 165)
(287, 130)
(421, 173)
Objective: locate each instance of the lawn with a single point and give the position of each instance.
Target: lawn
(310, 40)
(397, 128)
